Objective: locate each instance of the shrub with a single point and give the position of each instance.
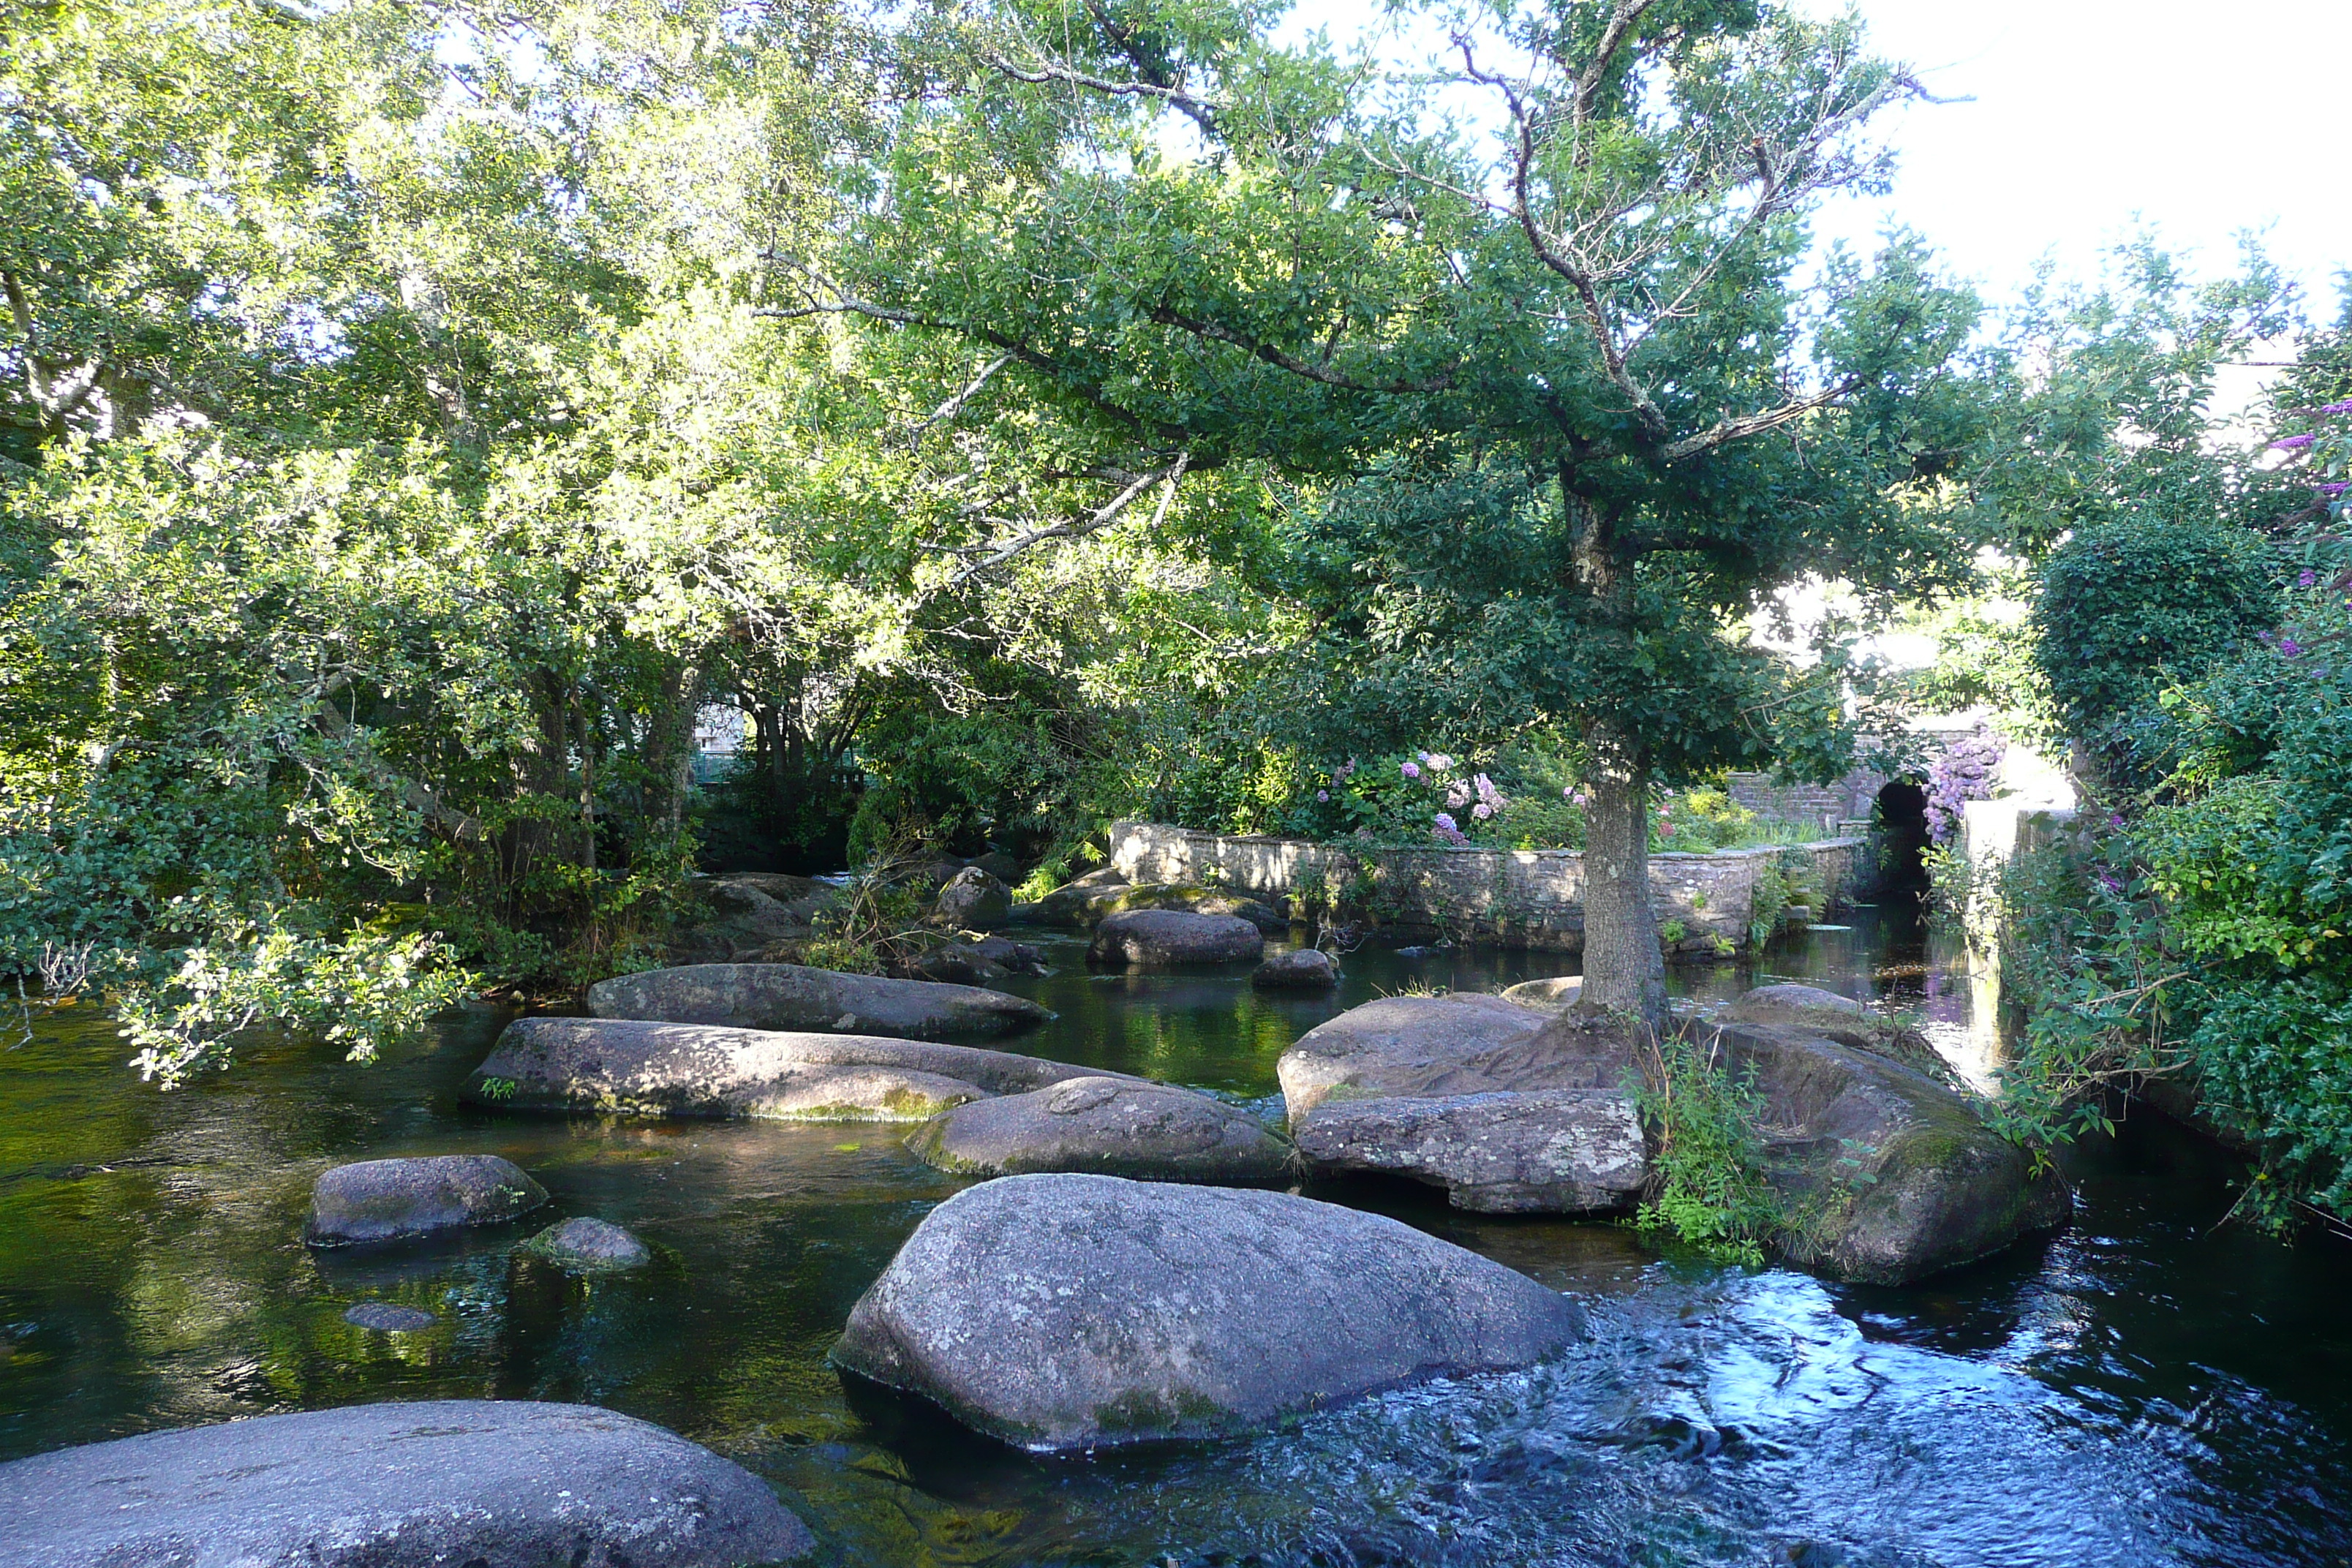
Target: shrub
(1709, 1185)
(2125, 604)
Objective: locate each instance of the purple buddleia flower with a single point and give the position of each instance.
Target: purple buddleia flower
(2342, 407)
(1961, 774)
(2294, 443)
(2306, 578)
(2290, 647)
(2333, 488)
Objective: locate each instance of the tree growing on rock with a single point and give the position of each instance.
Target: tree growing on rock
(1527, 347)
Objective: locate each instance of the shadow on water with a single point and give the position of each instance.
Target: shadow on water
(2144, 1388)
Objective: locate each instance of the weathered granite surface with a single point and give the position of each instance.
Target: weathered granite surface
(1108, 1126)
(445, 1483)
(1068, 1311)
(626, 1067)
(791, 996)
(397, 1200)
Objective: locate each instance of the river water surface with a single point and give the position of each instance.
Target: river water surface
(2148, 1387)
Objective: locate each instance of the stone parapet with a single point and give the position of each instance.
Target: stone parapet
(1516, 898)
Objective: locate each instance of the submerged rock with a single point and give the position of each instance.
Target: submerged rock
(630, 1068)
(1068, 1311)
(1302, 969)
(1891, 1175)
(1107, 1126)
(430, 1484)
(1155, 939)
(388, 1318)
(793, 996)
(587, 1245)
(395, 1200)
(1565, 1151)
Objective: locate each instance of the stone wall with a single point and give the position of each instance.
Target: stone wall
(1518, 898)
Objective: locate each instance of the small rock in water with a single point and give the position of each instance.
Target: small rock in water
(1174, 938)
(1307, 969)
(589, 1246)
(393, 1200)
(389, 1318)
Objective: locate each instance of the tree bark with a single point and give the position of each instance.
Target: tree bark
(1625, 969)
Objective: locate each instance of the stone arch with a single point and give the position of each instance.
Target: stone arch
(1902, 836)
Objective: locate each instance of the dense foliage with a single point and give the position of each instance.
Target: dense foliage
(2198, 933)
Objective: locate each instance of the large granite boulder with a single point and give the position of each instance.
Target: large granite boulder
(1110, 1126)
(1080, 901)
(1849, 1022)
(1562, 1151)
(973, 899)
(1169, 939)
(1507, 1108)
(628, 1067)
(793, 996)
(1408, 1045)
(1069, 1311)
(1301, 969)
(432, 1484)
(1890, 1175)
(397, 1200)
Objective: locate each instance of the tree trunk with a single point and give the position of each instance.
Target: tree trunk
(1624, 971)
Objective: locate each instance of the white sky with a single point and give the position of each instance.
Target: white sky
(2090, 117)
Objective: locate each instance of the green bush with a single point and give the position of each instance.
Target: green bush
(2127, 604)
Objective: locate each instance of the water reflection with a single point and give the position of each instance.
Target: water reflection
(2144, 1388)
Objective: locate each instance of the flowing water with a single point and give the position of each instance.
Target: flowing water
(2145, 1388)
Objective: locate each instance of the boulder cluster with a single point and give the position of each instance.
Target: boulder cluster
(1129, 1273)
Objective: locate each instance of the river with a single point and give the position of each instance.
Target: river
(2150, 1386)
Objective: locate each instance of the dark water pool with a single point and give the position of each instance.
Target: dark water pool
(2145, 1388)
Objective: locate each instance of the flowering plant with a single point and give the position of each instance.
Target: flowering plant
(1963, 773)
(1419, 794)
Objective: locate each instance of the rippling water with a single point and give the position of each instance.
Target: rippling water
(2144, 1389)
